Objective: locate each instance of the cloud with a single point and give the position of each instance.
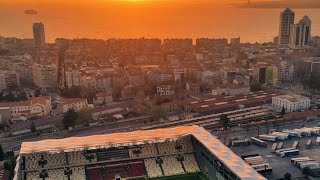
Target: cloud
(302, 4)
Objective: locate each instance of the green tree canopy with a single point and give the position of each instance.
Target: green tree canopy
(1, 154)
(283, 111)
(224, 121)
(255, 87)
(69, 118)
(10, 164)
(84, 116)
(158, 112)
(306, 171)
(33, 127)
(287, 176)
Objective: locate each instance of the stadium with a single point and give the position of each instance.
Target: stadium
(180, 153)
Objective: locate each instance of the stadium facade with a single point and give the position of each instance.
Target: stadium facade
(150, 154)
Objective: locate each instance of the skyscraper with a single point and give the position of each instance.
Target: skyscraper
(39, 35)
(301, 33)
(286, 20)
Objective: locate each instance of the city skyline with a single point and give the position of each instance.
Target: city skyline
(132, 20)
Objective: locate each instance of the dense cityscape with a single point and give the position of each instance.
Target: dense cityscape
(145, 108)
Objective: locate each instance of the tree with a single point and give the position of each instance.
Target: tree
(283, 111)
(224, 121)
(306, 171)
(37, 93)
(158, 112)
(10, 164)
(22, 96)
(69, 118)
(9, 97)
(287, 176)
(33, 127)
(84, 116)
(1, 154)
(255, 87)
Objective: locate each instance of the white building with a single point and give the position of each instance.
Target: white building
(291, 102)
(164, 90)
(36, 107)
(45, 76)
(63, 105)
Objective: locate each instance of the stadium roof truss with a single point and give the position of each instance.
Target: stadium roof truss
(218, 149)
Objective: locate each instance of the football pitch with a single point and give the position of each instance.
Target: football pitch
(196, 176)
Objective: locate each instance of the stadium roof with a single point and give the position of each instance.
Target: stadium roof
(223, 153)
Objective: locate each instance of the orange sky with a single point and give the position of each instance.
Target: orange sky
(144, 18)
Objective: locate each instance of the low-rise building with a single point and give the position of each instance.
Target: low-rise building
(36, 107)
(291, 102)
(230, 90)
(103, 98)
(63, 105)
(165, 90)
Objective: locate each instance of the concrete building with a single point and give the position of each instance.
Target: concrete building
(45, 76)
(73, 78)
(63, 105)
(286, 71)
(165, 90)
(36, 107)
(235, 41)
(291, 102)
(301, 33)
(230, 90)
(9, 80)
(136, 79)
(104, 84)
(286, 20)
(103, 98)
(39, 35)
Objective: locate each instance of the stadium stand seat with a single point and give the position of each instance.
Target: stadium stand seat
(186, 144)
(94, 174)
(54, 160)
(190, 163)
(148, 150)
(167, 147)
(33, 176)
(78, 157)
(31, 161)
(171, 166)
(78, 173)
(112, 154)
(56, 174)
(153, 169)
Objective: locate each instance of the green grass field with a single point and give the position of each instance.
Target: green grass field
(196, 176)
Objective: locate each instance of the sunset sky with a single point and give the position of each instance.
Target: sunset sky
(152, 18)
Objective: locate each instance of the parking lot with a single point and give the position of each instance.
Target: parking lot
(280, 165)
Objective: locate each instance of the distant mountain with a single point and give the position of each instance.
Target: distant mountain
(30, 12)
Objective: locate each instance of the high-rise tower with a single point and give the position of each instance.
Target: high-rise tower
(39, 35)
(301, 33)
(286, 20)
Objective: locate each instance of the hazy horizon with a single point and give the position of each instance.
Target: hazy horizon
(150, 19)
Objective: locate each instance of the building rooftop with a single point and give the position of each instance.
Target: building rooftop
(37, 100)
(293, 98)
